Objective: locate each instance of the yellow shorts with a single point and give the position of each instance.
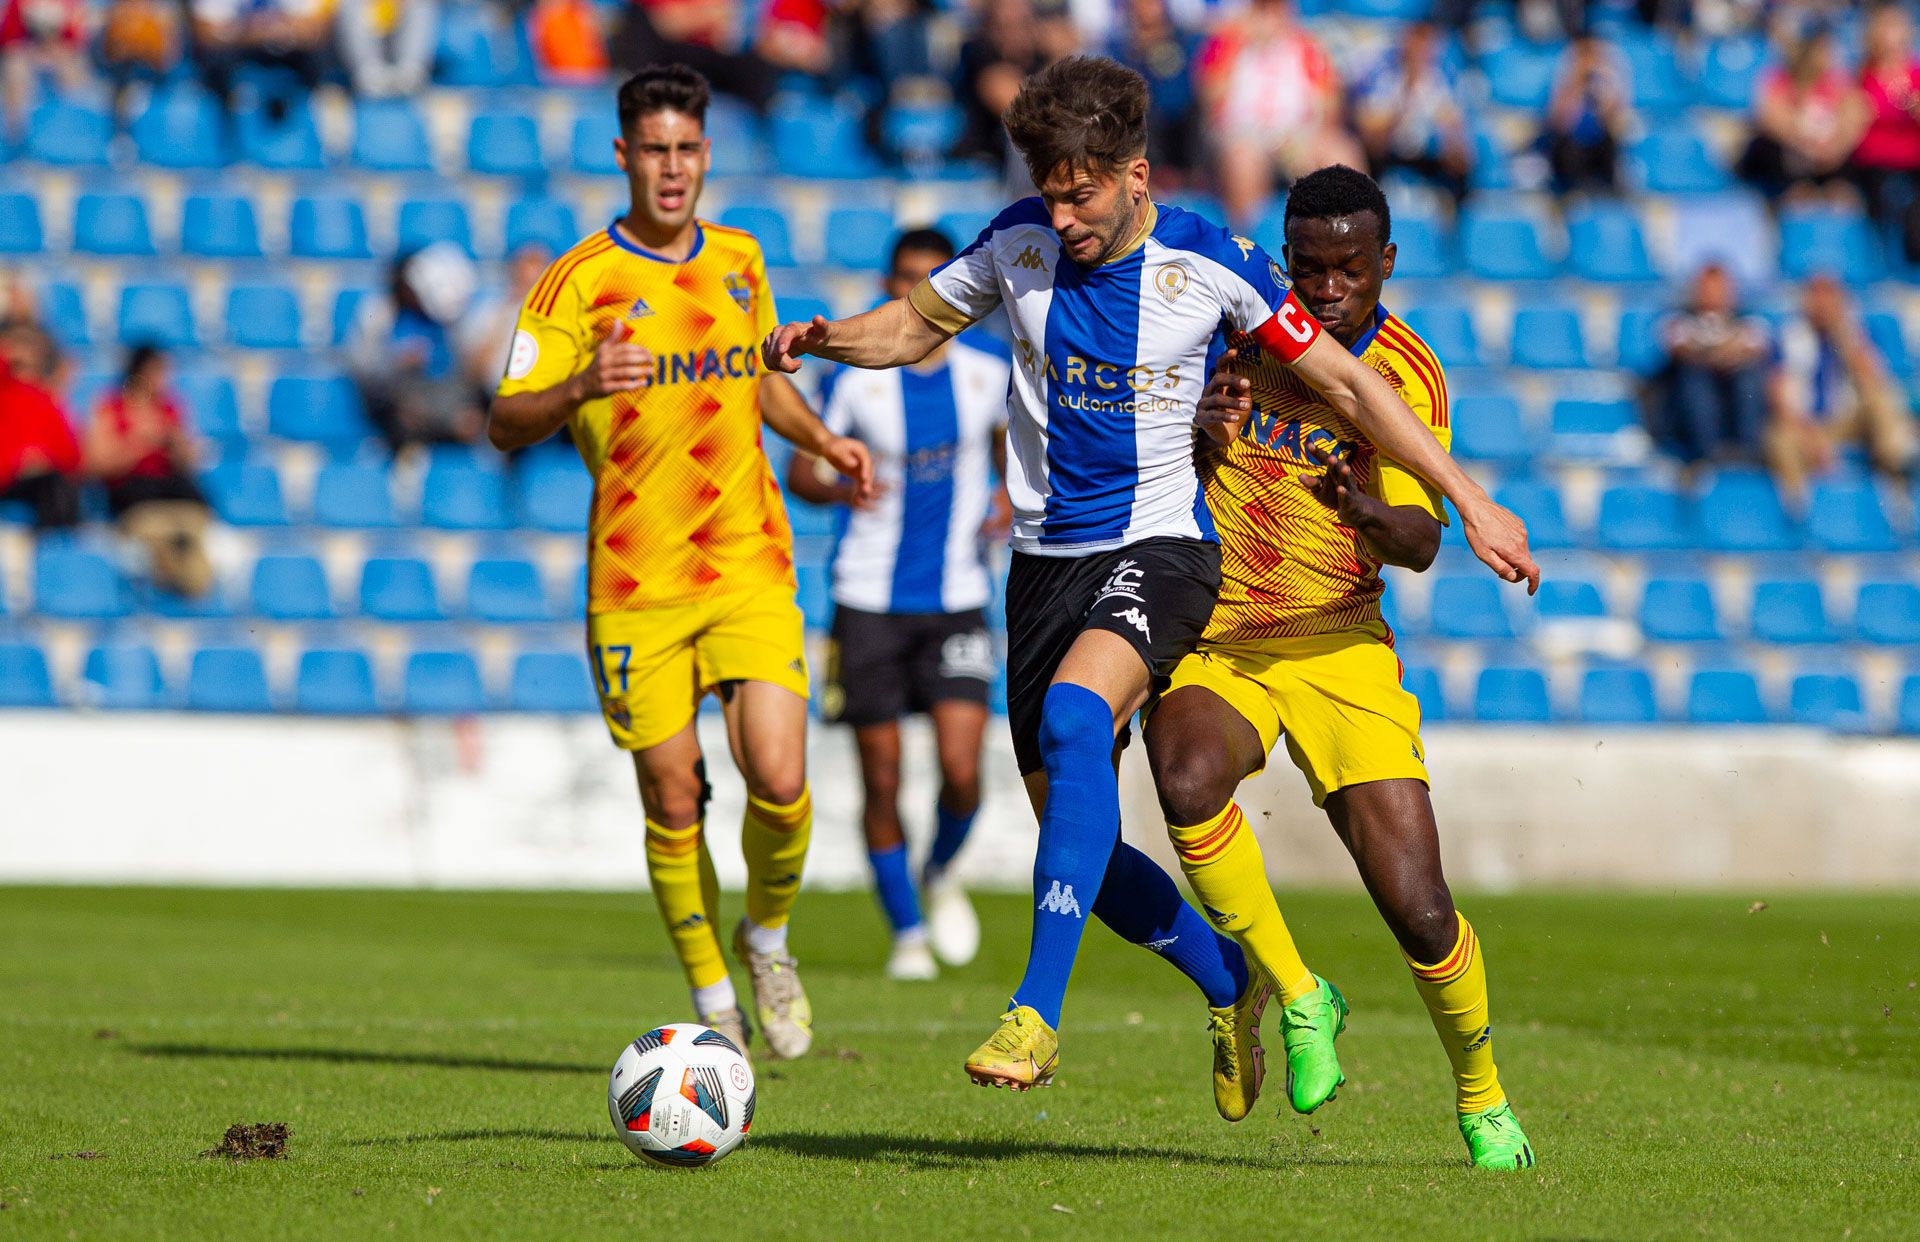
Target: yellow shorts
(652, 667)
(1337, 697)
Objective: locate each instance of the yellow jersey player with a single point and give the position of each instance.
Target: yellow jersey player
(1308, 511)
(642, 340)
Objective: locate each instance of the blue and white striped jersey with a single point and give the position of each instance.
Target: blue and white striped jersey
(917, 548)
(1108, 366)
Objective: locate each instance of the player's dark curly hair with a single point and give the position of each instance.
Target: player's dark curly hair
(1337, 190)
(1086, 113)
(663, 88)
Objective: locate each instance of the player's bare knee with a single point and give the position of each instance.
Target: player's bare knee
(960, 790)
(1426, 925)
(781, 788)
(672, 803)
(1194, 785)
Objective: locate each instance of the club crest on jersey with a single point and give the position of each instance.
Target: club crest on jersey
(1279, 274)
(1170, 281)
(739, 289)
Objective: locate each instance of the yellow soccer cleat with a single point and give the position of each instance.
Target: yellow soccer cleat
(1239, 1063)
(1022, 1054)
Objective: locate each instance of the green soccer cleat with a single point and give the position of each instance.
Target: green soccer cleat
(1495, 1140)
(1308, 1027)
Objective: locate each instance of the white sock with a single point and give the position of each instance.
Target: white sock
(917, 934)
(715, 998)
(766, 939)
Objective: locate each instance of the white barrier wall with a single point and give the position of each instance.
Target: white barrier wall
(526, 802)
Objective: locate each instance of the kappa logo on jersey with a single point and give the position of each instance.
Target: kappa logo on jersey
(1138, 620)
(1246, 245)
(1123, 581)
(1061, 900)
(1170, 281)
(1031, 260)
(639, 309)
(739, 290)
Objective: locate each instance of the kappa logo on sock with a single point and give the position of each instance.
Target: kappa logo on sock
(1157, 945)
(1060, 900)
(1138, 620)
(1485, 1038)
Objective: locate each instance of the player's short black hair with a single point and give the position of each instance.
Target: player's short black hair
(921, 241)
(1337, 190)
(1084, 113)
(139, 358)
(663, 88)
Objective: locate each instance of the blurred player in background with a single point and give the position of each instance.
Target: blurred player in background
(910, 589)
(641, 339)
(1308, 511)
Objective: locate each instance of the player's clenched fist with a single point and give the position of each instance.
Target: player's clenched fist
(1227, 401)
(1499, 538)
(790, 342)
(619, 365)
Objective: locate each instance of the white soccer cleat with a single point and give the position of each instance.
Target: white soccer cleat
(911, 960)
(951, 923)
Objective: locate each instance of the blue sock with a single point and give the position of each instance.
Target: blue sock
(1139, 901)
(895, 887)
(948, 836)
(1078, 829)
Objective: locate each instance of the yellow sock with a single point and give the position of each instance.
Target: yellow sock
(774, 839)
(688, 896)
(1223, 863)
(1455, 990)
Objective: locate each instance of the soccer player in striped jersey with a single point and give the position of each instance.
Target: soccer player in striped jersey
(1309, 508)
(910, 590)
(642, 341)
(1114, 305)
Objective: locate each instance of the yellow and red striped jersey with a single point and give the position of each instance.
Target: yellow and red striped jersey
(685, 507)
(1288, 567)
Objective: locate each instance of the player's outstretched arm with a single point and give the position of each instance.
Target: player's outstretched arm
(526, 418)
(784, 410)
(892, 334)
(1497, 535)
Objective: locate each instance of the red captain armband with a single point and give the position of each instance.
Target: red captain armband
(1288, 334)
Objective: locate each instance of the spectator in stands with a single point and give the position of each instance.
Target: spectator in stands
(1587, 113)
(1886, 164)
(140, 447)
(1808, 116)
(568, 46)
(403, 355)
(1150, 44)
(1272, 103)
(387, 45)
(710, 37)
(287, 34)
(1002, 51)
(1407, 109)
(39, 457)
(139, 41)
(39, 38)
(486, 333)
(1709, 400)
(1832, 390)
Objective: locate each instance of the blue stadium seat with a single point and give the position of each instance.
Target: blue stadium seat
(820, 138)
(423, 221)
(1837, 242)
(964, 227)
(1447, 328)
(246, 493)
(111, 224)
(591, 151)
(334, 681)
(1546, 337)
(227, 679)
(1848, 517)
(24, 680)
(263, 316)
(461, 496)
(476, 49)
(77, 584)
(157, 314)
(505, 144)
(1580, 419)
(739, 139)
(70, 134)
(1727, 696)
(1679, 610)
(1569, 599)
(124, 676)
(327, 227)
(816, 605)
(506, 591)
(1424, 684)
(182, 127)
(219, 226)
(20, 230)
(64, 312)
(1503, 245)
(1636, 517)
(541, 221)
(1511, 695)
(1734, 229)
(346, 312)
(1539, 506)
(290, 588)
(577, 599)
(1907, 719)
(922, 133)
(1790, 610)
(553, 492)
(1888, 612)
(1884, 330)
(1425, 249)
(442, 683)
(1617, 696)
(1490, 428)
(318, 408)
(1520, 74)
(1730, 71)
(388, 137)
(859, 238)
(289, 142)
(211, 405)
(551, 681)
(1741, 512)
(398, 588)
(1468, 607)
(1637, 346)
(1661, 84)
(1675, 159)
(354, 497)
(769, 227)
(1605, 243)
(810, 519)
(1826, 701)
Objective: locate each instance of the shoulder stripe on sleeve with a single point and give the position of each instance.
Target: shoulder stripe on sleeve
(542, 286)
(565, 269)
(1423, 361)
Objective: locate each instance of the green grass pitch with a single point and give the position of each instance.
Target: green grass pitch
(1684, 1067)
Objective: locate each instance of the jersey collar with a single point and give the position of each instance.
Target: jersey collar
(1365, 341)
(620, 240)
(1140, 238)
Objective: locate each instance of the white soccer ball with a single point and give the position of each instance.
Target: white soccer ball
(681, 1095)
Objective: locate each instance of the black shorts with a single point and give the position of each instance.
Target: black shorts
(883, 666)
(1157, 594)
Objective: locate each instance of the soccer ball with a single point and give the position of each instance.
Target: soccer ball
(681, 1095)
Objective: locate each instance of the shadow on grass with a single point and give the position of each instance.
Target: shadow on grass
(932, 1153)
(363, 1056)
(485, 1136)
